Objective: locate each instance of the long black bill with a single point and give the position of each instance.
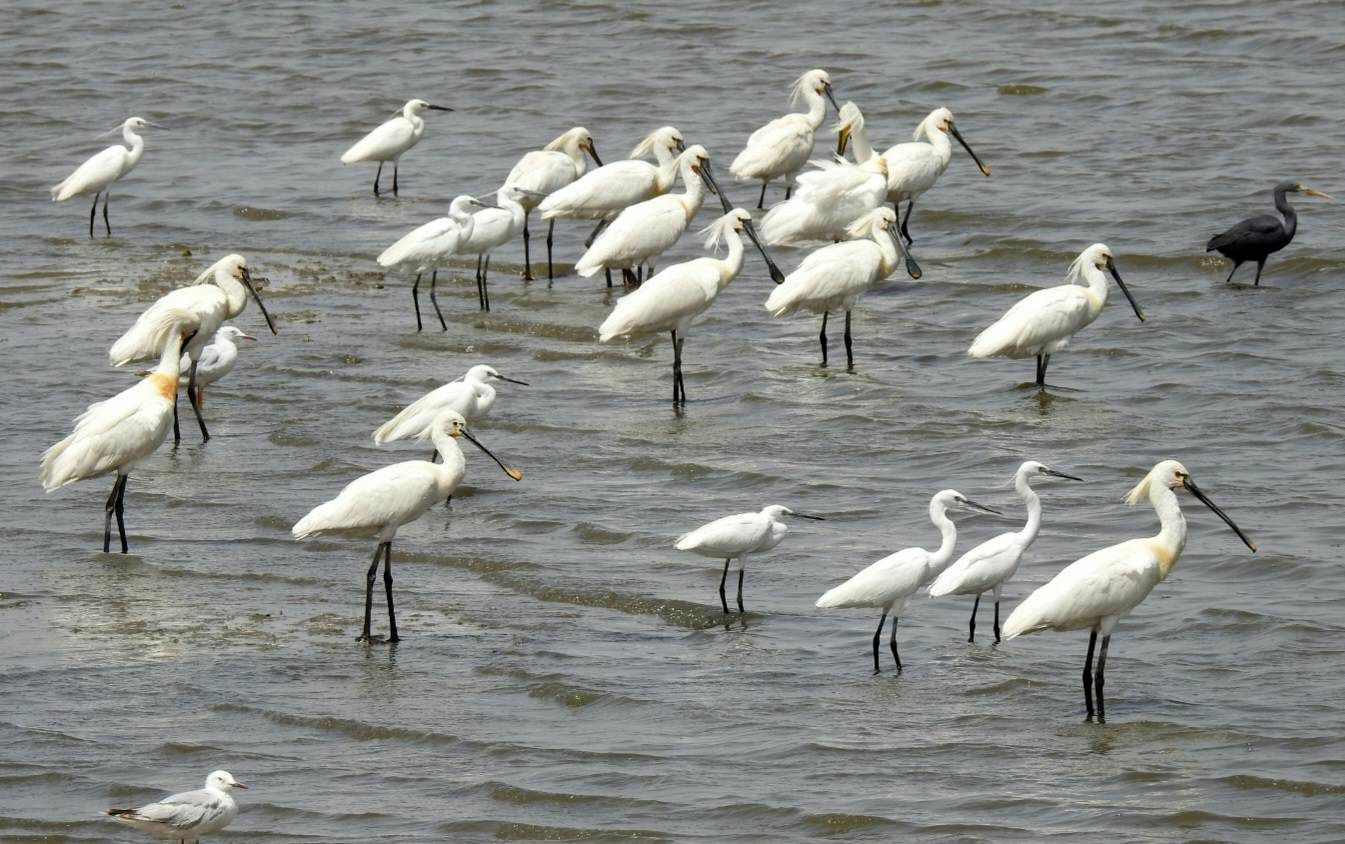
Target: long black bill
(708, 176)
(826, 89)
(247, 282)
(512, 380)
(1195, 490)
(968, 502)
(808, 516)
(1111, 268)
(842, 141)
(508, 470)
(593, 152)
(1054, 473)
(439, 108)
(985, 171)
(912, 268)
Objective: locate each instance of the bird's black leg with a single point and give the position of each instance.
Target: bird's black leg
(724, 601)
(550, 233)
(177, 428)
(740, 589)
(627, 277)
(415, 299)
(191, 397)
(639, 275)
(677, 369)
(369, 592)
(478, 283)
(394, 176)
(1045, 362)
(608, 271)
(822, 337)
(1101, 672)
(1236, 264)
(593, 235)
(387, 588)
(92, 213)
(849, 352)
(434, 279)
(971, 628)
(997, 639)
(789, 191)
(878, 635)
(106, 225)
(121, 510)
(1259, 264)
(485, 289)
(1039, 381)
(905, 230)
(107, 515)
(681, 381)
(893, 643)
(761, 200)
(1088, 673)
(434, 455)
(378, 176)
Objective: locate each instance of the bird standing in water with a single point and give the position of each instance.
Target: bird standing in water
(1255, 238)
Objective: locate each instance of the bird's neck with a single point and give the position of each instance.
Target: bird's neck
(1096, 282)
(1033, 504)
(1290, 215)
(943, 148)
(863, 149)
(695, 194)
(940, 557)
(732, 264)
(453, 462)
(235, 294)
(817, 108)
(666, 174)
(1171, 538)
(170, 360)
(665, 156)
(883, 238)
(137, 146)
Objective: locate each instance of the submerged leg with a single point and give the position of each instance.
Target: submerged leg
(893, 643)
(1088, 673)
(434, 300)
(415, 299)
(1045, 362)
(196, 408)
(681, 381)
(369, 592)
(971, 628)
(92, 213)
(387, 588)
(1236, 264)
(878, 635)
(107, 515)
(761, 200)
(377, 176)
(740, 589)
(106, 225)
(485, 288)
(822, 337)
(1101, 676)
(394, 176)
(724, 601)
(121, 510)
(1257, 283)
(480, 300)
(550, 233)
(677, 369)
(997, 639)
(527, 254)
(849, 352)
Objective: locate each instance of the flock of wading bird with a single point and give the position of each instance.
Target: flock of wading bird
(638, 217)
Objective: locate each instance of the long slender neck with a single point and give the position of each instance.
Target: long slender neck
(695, 194)
(170, 360)
(883, 238)
(448, 449)
(817, 108)
(1033, 504)
(937, 138)
(1097, 288)
(939, 517)
(138, 147)
(235, 294)
(732, 264)
(1290, 215)
(863, 149)
(666, 173)
(664, 155)
(515, 208)
(1171, 537)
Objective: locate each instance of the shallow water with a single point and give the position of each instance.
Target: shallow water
(565, 674)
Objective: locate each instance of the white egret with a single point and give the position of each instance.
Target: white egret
(914, 167)
(734, 537)
(391, 139)
(991, 564)
(672, 299)
(836, 276)
(890, 582)
(471, 396)
(219, 293)
(781, 147)
(117, 434)
(1043, 323)
(190, 815)
(376, 504)
(1097, 591)
(217, 360)
(544, 171)
(491, 229)
(96, 175)
(424, 248)
(830, 198)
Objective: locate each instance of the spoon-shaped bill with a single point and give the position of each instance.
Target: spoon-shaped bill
(912, 268)
(247, 282)
(1204, 499)
(516, 474)
(985, 170)
(708, 176)
(1111, 268)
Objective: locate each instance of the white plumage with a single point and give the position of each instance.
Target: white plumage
(830, 198)
(391, 139)
(426, 247)
(217, 360)
(734, 537)
(472, 397)
(780, 148)
(491, 229)
(914, 167)
(544, 171)
(188, 816)
(98, 173)
(603, 192)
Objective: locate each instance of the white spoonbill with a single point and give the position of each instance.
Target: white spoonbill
(781, 148)
(672, 299)
(830, 198)
(219, 293)
(217, 360)
(647, 229)
(836, 276)
(376, 504)
(472, 397)
(96, 175)
(991, 564)
(850, 128)
(914, 167)
(425, 247)
(544, 171)
(391, 139)
(1043, 323)
(491, 229)
(1097, 591)
(190, 815)
(890, 582)
(117, 434)
(734, 537)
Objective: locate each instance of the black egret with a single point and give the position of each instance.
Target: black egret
(1256, 237)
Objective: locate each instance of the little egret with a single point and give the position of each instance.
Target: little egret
(734, 537)
(672, 299)
(117, 434)
(217, 360)
(914, 167)
(491, 229)
(890, 582)
(98, 173)
(991, 564)
(1255, 238)
(376, 504)
(1043, 323)
(836, 276)
(190, 815)
(424, 248)
(219, 293)
(391, 139)
(1097, 591)
(544, 171)
(472, 397)
(781, 148)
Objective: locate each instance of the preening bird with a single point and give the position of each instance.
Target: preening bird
(544, 171)
(188, 816)
(491, 229)
(114, 436)
(218, 293)
(217, 360)
(779, 149)
(375, 505)
(890, 582)
(1043, 323)
(836, 276)
(96, 175)
(424, 248)
(1255, 238)
(1097, 591)
(914, 167)
(472, 397)
(830, 198)
(391, 139)
(734, 537)
(989, 565)
(673, 298)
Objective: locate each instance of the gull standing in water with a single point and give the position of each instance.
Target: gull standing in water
(188, 816)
